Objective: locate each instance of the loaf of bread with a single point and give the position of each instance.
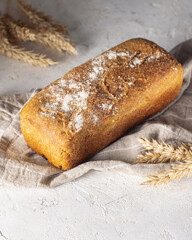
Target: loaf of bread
(95, 103)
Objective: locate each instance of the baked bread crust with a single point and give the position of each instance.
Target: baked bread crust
(95, 103)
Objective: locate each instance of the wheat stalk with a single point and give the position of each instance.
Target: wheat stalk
(19, 53)
(23, 32)
(37, 17)
(180, 171)
(49, 29)
(162, 152)
(43, 30)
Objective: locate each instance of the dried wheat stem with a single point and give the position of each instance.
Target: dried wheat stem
(20, 54)
(180, 171)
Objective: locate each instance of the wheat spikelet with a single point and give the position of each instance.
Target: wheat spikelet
(180, 171)
(61, 43)
(13, 39)
(26, 56)
(50, 33)
(155, 146)
(162, 152)
(150, 157)
(40, 19)
(19, 53)
(23, 32)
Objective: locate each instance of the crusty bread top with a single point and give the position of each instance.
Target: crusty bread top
(95, 89)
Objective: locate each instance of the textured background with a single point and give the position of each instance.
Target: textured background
(98, 206)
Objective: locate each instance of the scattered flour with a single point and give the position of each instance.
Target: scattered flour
(113, 55)
(78, 122)
(175, 69)
(106, 106)
(98, 69)
(130, 83)
(67, 100)
(154, 57)
(135, 61)
(95, 118)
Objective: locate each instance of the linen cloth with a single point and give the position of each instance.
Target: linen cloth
(20, 166)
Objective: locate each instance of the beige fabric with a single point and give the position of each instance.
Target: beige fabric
(19, 165)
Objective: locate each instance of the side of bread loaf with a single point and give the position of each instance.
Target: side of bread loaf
(98, 101)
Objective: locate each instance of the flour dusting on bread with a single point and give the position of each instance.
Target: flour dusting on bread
(73, 94)
(114, 54)
(78, 122)
(97, 68)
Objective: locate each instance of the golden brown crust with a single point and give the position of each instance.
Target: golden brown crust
(96, 102)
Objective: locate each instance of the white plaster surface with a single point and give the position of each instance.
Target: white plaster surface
(99, 205)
